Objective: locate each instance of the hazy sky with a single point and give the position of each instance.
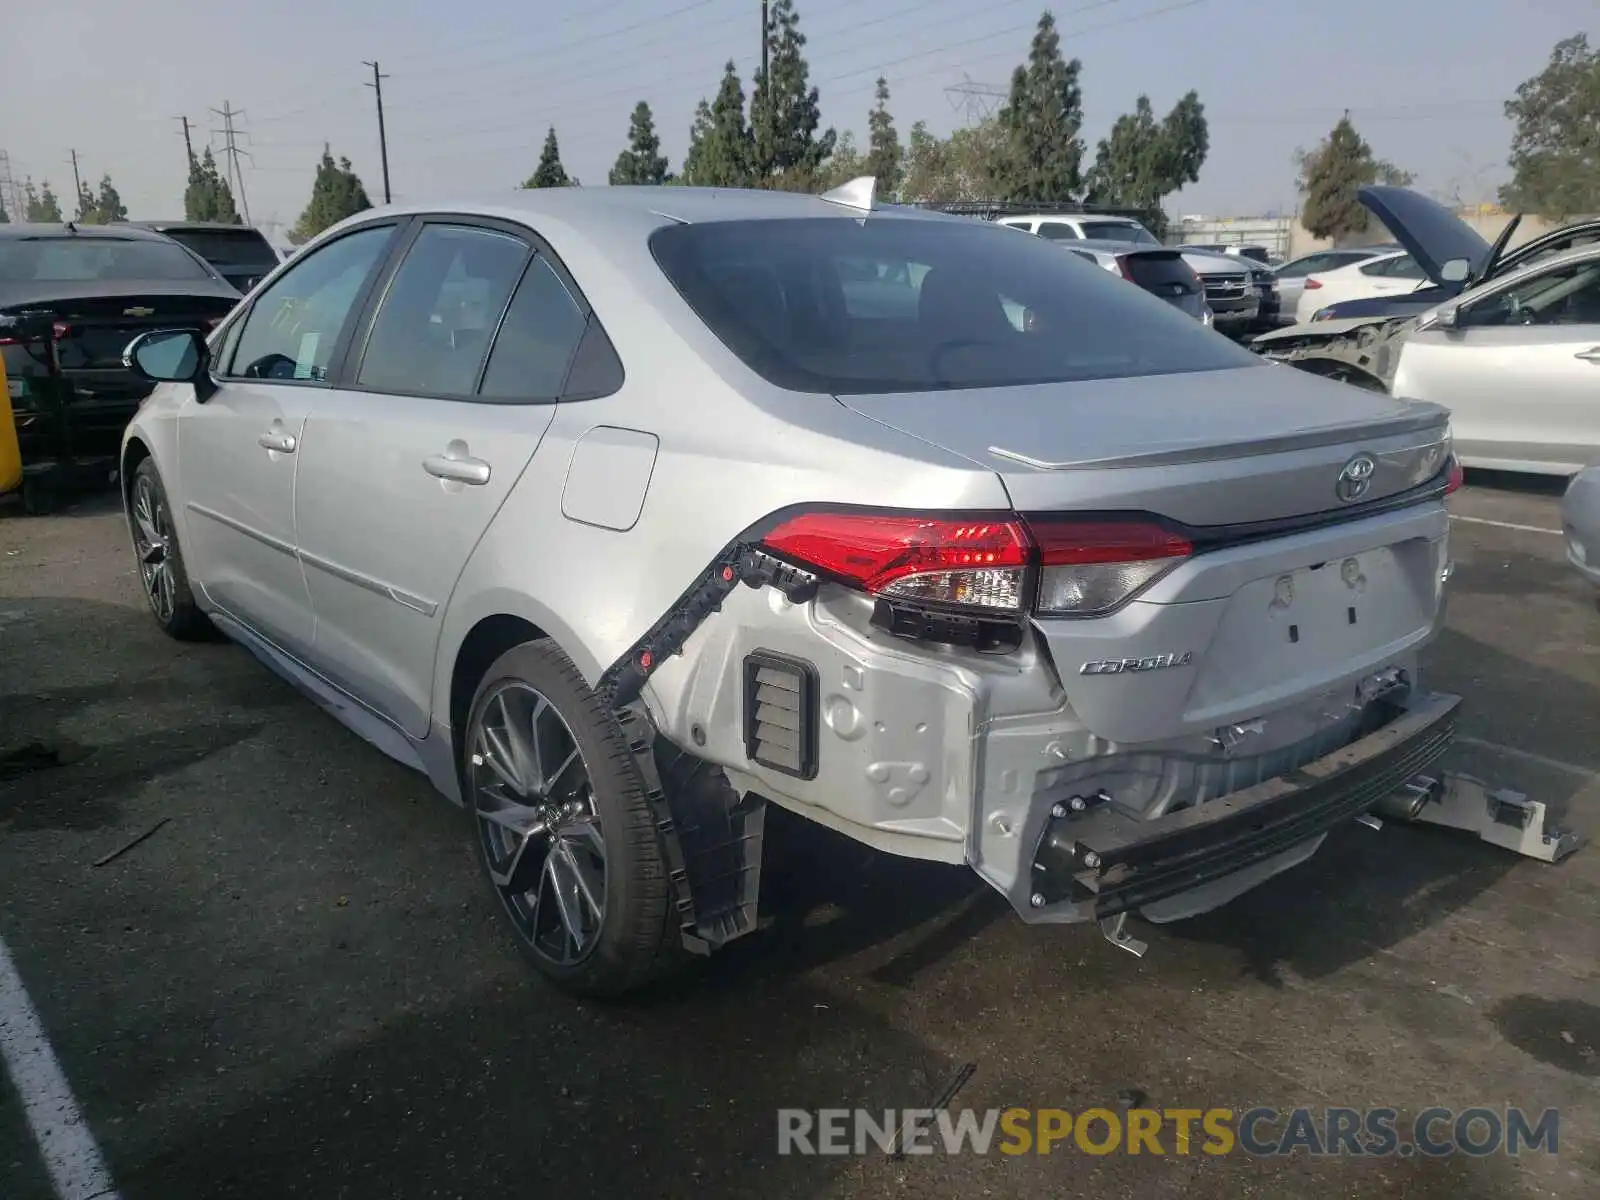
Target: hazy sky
(473, 84)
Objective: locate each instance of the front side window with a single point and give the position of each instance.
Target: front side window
(1402, 266)
(1120, 231)
(433, 329)
(294, 325)
(1567, 295)
(949, 305)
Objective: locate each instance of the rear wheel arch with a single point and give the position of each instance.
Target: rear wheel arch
(486, 641)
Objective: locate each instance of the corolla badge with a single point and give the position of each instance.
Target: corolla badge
(1150, 662)
(1355, 478)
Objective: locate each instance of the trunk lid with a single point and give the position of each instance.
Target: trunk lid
(1206, 448)
(101, 319)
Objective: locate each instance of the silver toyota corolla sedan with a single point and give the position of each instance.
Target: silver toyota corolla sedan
(623, 512)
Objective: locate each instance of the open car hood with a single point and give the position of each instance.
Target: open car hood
(1432, 233)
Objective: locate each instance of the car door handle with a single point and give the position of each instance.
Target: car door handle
(1592, 354)
(457, 469)
(283, 443)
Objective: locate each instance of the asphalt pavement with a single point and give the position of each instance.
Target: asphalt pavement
(296, 986)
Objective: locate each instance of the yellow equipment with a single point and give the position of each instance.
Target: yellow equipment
(10, 452)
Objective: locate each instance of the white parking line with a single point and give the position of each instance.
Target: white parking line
(1555, 764)
(1506, 525)
(68, 1148)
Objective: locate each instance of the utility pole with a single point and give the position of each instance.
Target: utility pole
(77, 183)
(231, 148)
(764, 42)
(383, 142)
(8, 190)
(188, 143)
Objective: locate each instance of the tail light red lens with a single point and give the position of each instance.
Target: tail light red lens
(977, 564)
(1122, 266)
(1458, 475)
(61, 331)
(1084, 567)
(1313, 284)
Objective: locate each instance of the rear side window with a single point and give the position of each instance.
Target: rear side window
(1057, 231)
(1120, 231)
(536, 341)
(434, 327)
(1166, 274)
(954, 304)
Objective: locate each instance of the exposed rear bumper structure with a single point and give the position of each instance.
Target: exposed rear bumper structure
(1104, 861)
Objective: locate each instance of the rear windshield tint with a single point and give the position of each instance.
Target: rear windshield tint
(243, 248)
(893, 304)
(1165, 271)
(94, 259)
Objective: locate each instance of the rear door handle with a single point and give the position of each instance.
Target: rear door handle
(283, 443)
(458, 468)
(1592, 354)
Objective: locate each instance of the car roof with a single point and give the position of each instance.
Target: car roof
(117, 232)
(162, 226)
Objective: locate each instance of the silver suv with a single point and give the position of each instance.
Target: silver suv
(622, 513)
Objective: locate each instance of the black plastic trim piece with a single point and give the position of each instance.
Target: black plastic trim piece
(1138, 862)
(809, 710)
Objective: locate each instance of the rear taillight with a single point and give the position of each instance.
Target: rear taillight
(975, 564)
(1122, 266)
(1313, 284)
(61, 331)
(1458, 476)
(1059, 566)
(1090, 567)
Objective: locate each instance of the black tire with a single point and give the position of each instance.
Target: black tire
(184, 621)
(38, 498)
(638, 940)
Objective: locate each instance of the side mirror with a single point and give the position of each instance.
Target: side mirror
(167, 355)
(1455, 270)
(1448, 317)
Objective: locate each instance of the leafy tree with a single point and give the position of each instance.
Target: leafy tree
(721, 147)
(1555, 151)
(1332, 174)
(1143, 160)
(964, 166)
(336, 193)
(642, 161)
(883, 143)
(549, 173)
(844, 164)
(208, 196)
(1042, 119)
(784, 109)
(88, 213)
(41, 207)
(108, 203)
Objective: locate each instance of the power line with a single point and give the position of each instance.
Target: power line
(231, 151)
(383, 141)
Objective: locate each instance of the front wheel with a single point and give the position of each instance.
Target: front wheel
(155, 547)
(563, 828)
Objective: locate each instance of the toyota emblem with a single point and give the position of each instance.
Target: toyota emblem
(1356, 478)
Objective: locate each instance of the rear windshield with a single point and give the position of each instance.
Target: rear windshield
(1165, 271)
(93, 259)
(893, 305)
(1119, 231)
(245, 247)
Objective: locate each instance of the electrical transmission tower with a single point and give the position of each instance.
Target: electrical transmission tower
(977, 100)
(231, 151)
(10, 193)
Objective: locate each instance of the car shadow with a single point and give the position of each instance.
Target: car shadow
(1517, 482)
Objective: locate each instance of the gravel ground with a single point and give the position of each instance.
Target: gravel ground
(296, 986)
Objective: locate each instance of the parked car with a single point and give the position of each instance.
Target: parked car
(1106, 607)
(1268, 299)
(1292, 275)
(1393, 273)
(1258, 254)
(242, 255)
(1580, 523)
(1439, 239)
(1161, 272)
(1229, 291)
(1516, 360)
(71, 298)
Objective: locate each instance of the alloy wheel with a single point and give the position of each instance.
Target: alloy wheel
(537, 822)
(152, 543)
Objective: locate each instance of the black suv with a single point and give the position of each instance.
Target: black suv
(242, 255)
